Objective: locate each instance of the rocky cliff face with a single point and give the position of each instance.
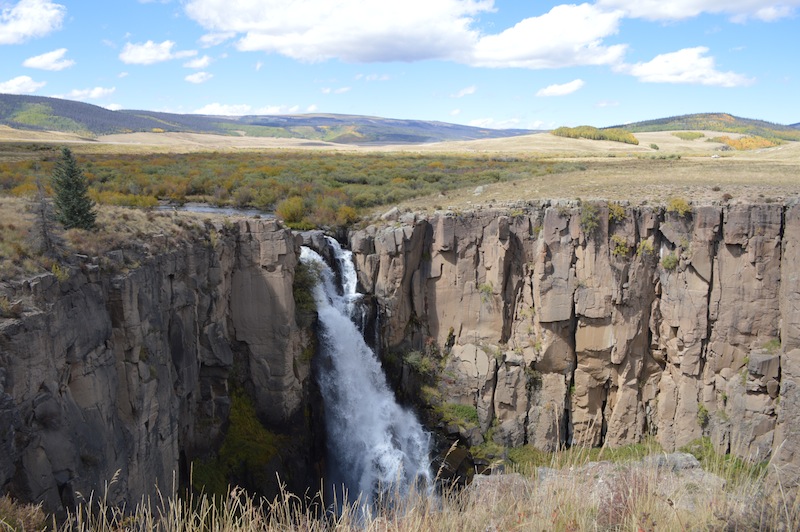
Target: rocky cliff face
(130, 372)
(600, 324)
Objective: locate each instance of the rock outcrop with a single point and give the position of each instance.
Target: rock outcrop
(129, 373)
(570, 324)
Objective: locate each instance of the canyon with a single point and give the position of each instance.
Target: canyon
(561, 322)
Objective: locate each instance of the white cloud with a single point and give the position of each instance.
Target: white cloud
(29, 18)
(562, 89)
(259, 64)
(351, 30)
(198, 62)
(739, 10)
(123, 75)
(568, 35)
(199, 77)
(213, 39)
(312, 108)
(150, 52)
(221, 109)
(88, 94)
(49, 61)
(689, 65)
(455, 112)
(113, 107)
(21, 85)
(224, 109)
(340, 90)
(466, 91)
(492, 123)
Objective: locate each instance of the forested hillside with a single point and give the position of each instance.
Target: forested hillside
(717, 122)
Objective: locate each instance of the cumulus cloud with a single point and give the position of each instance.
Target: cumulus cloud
(28, 19)
(413, 30)
(351, 30)
(199, 77)
(49, 61)
(198, 62)
(466, 91)
(21, 85)
(689, 65)
(312, 108)
(151, 52)
(562, 89)
(568, 35)
(88, 94)
(113, 107)
(739, 10)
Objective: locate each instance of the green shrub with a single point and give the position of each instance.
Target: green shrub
(462, 415)
(679, 206)
(589, 219)
(420, 363)
(688, 135)
(645, 248)
(487, 291)
(670, 261)
(616, 212)
(654, 146)
(702, 415)
(620, 246)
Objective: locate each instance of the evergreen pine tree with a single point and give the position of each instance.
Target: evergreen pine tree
(73, 206)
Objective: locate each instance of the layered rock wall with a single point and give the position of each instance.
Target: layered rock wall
(126, 375)
(600, 324)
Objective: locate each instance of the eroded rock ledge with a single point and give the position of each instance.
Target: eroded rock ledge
(600, 324)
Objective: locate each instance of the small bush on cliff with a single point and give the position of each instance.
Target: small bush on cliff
(645, 249)
(616, 212)
(589, 219)
(679, 206)
(620, 246)
(670, 261)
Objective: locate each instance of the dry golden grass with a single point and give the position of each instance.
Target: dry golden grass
(579, 496)
(139, 232)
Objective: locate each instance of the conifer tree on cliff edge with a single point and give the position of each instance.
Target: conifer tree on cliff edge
(74, 208)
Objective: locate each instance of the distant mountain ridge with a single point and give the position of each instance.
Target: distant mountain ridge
(722, 122)
(54, 114)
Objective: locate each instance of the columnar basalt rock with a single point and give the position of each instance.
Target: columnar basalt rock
(569, 324)
(129, 372)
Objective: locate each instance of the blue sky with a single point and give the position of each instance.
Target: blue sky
(492, 63)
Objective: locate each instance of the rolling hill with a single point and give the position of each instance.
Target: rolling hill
(722, 122)
(53, 114)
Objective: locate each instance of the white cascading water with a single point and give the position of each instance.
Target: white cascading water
(376, 448)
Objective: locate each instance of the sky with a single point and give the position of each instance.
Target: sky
(491, 63)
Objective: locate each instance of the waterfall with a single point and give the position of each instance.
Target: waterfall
(376, 448)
